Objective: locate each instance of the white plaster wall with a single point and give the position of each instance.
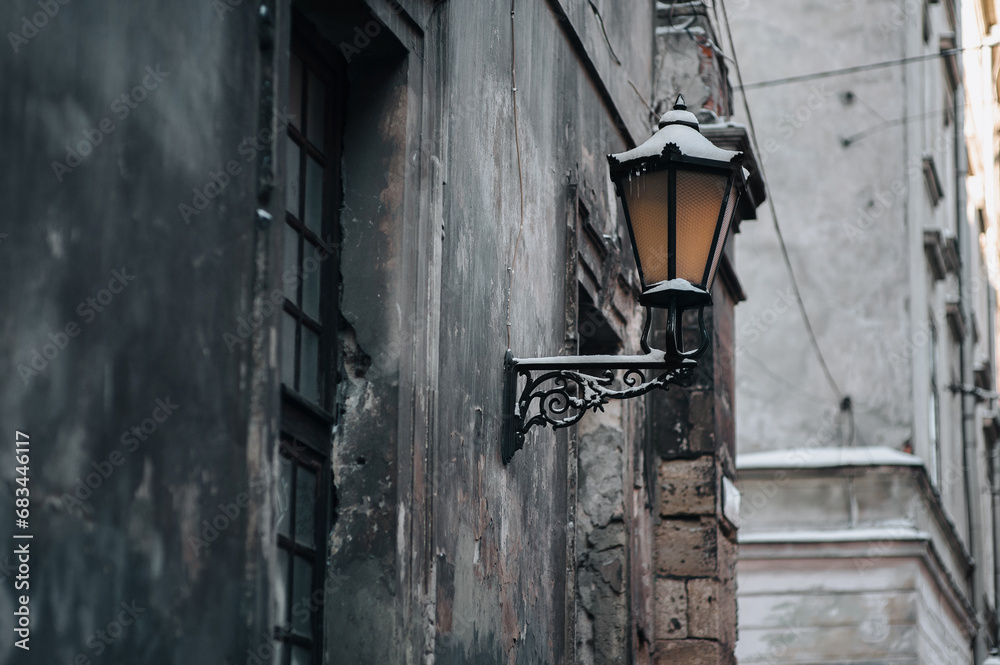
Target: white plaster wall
(828, 611)
(853, 218)
(843, 212)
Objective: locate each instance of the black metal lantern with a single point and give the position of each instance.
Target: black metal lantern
(679, 193)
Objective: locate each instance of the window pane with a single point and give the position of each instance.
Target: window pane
(300, 656)
(314, 196)
(311, 281)
(302, 580)
(292, 182)
(309, 372)
(291, 263)
(305, 507)
(295, 90)
(281, 588)
(287, 349)
(317, 110)
(284, 507)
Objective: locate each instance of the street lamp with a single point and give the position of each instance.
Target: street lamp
(679, 192)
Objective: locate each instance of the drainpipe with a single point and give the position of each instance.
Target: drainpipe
(994, 452)
(976, 582)
(995, 496)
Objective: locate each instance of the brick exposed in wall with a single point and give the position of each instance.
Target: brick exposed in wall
(701, 416)
(695, 558)
(704, 596)
(688, 487)
(690, 652)
(687, 547)
(671, 609)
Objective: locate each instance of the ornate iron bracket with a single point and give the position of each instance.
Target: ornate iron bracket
(578, 383)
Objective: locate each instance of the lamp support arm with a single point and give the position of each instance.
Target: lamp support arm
(559, 390)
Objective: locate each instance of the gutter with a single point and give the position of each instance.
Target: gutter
(968, 404)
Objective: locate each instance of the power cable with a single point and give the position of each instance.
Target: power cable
(792, 388)
(607, 40)
(774, 216)
(886, 124)
(849, 70)
(520, 177)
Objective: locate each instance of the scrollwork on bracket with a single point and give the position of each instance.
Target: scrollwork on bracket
(564, 392)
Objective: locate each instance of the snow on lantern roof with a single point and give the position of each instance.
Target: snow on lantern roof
(678, 133)
(676, 284)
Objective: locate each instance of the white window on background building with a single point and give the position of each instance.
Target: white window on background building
(934, 411)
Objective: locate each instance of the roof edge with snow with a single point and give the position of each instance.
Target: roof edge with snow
(879, 534)
(829, 457)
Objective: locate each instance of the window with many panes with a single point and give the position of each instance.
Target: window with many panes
(306, 503)
(302, 516)
(309, 281)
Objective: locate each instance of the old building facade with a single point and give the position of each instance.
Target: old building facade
(868, 519)
(263, 262)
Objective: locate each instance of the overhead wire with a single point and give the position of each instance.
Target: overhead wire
(663, 59)
(520, 176)
(604, 30)
(851, 97)
(614, 56)
(814, 342)
(851, 70)
(643, 99)
(785, 383)
(885, 124)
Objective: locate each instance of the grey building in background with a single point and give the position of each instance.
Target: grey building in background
(868, 515)
(261, 263)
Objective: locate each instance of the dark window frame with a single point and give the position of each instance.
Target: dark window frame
(306, 423)
(300, 455)
(306, 45)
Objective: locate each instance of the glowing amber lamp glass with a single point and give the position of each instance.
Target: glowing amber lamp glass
(679, 194)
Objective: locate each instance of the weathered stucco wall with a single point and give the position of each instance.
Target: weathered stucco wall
(821, 608)
(849, 561)
(550, 558)
(439, 548)
(436, 549)
(843, 211)
(148, 475)
(851, 162)
(502, 530)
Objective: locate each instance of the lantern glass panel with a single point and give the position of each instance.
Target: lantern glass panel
(699, 199)
(723, 233)
(647, 197)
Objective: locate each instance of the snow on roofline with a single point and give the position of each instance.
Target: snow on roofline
(818, 458)
(723, 123)
(885, 533)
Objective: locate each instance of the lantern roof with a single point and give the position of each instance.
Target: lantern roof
(678, 133)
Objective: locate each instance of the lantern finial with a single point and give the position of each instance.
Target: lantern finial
(679, 115)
